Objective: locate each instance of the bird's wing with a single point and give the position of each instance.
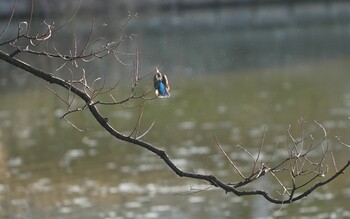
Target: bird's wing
(166, 82)
(155, 82)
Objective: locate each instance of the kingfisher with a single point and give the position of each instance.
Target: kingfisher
(161, 85)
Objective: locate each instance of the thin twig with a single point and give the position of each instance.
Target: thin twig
(279, 181)
(246, 151)
(53, 92)
(74, 126)
(9, 20)
(341, 142)
(146, 132)
(323, 129)
(259, 152)
(228, 158)
(334, 163)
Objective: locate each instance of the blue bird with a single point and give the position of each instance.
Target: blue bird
(161, 85)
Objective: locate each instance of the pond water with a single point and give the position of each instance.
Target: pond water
(49, 169)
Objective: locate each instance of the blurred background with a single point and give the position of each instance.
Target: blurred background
(236, 68)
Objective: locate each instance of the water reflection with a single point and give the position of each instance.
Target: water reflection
(227, 42)
(71, 174)
(48, 169)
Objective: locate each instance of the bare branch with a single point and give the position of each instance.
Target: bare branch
(302, 168)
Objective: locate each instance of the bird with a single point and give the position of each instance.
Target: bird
(161, 85)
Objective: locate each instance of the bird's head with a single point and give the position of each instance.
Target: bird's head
(159, 75)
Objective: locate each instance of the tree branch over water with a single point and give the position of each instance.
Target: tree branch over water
(306, 171)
